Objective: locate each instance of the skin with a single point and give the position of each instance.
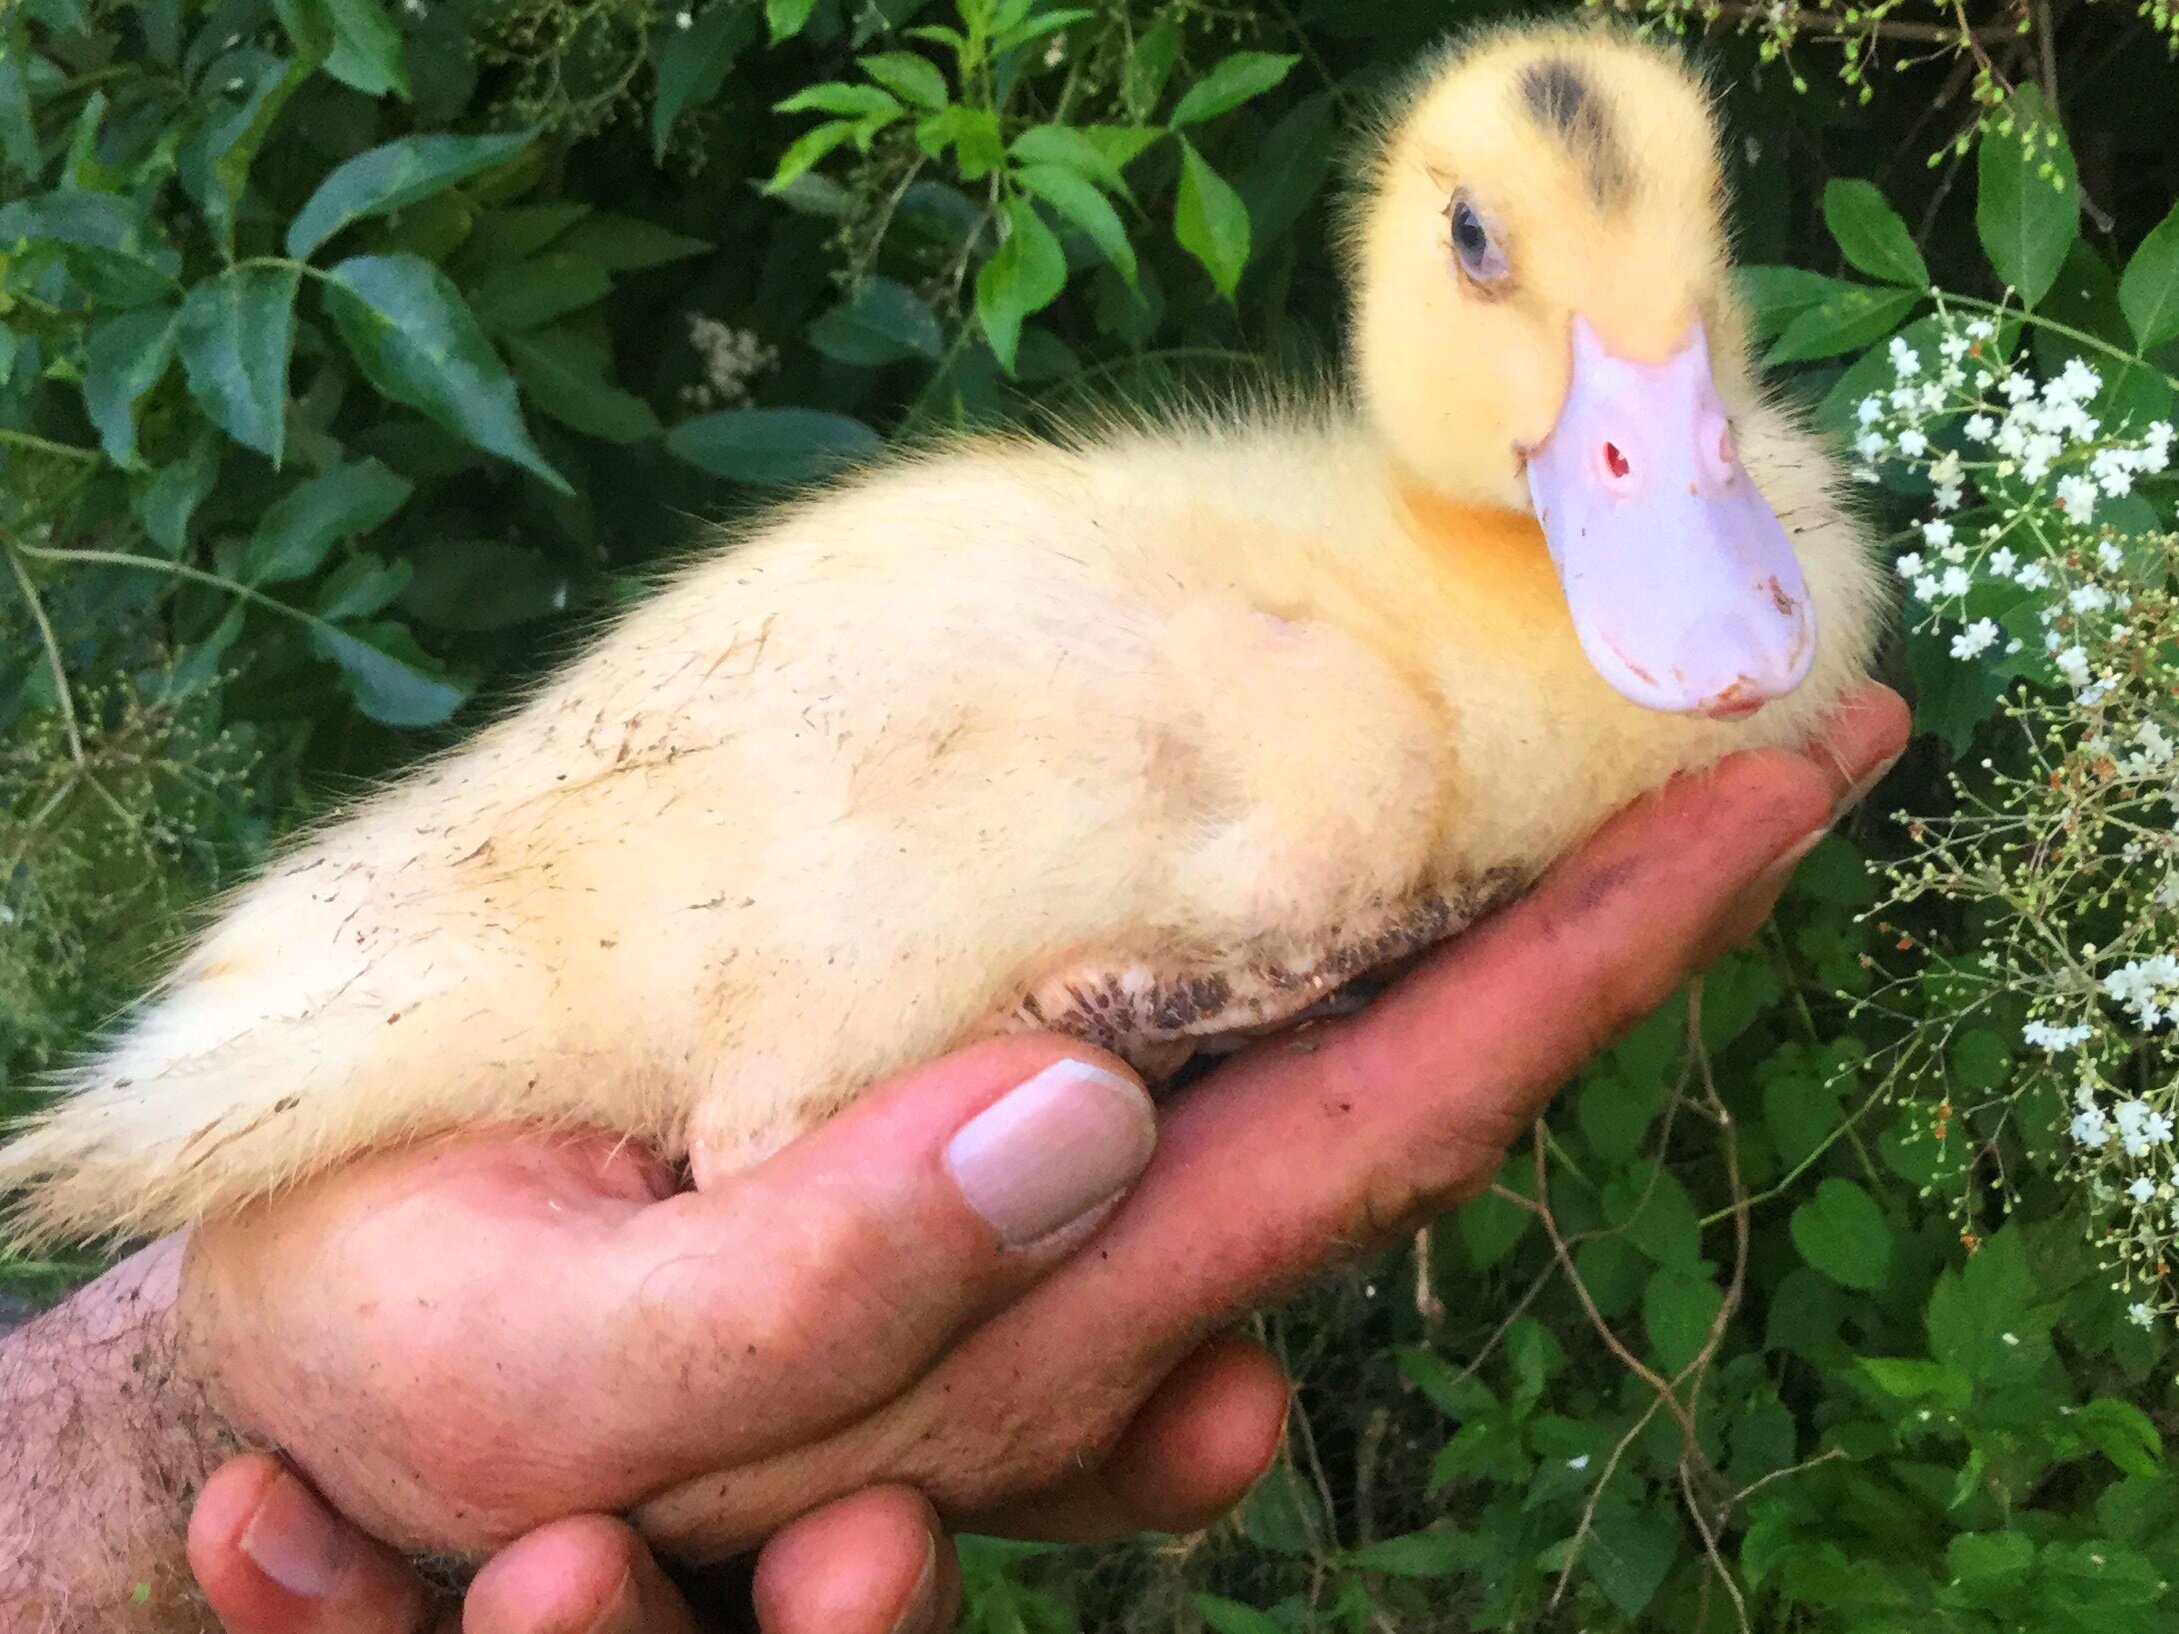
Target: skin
(908, 1376)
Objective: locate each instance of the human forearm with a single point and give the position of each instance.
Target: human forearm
(108, 1437)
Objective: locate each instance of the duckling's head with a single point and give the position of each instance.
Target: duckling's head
(1544, 321)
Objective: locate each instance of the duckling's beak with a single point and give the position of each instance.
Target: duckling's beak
(1683, 585)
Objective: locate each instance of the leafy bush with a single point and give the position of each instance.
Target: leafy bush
(356, 356)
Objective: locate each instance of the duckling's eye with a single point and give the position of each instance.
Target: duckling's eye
(1476, 246)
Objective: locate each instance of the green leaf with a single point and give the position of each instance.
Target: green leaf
(1079, 201)
(569, 381)
(1870, 234)
(625, 244)
(1418, 1554)
(808, 148)
(1654, 1212)
(911, 78)
(1841, 1232)
(393, 680)
(772, 446)
(2028, 220)
(881, 322)
(235, 333)
(2149, 291)
(1631, 1552)
(695, 63)
(1678, 1308)
(2123, 1433)
(365, 47)
(1981, 1059)
(1231, 1617)
(1071, 149)
(414, 339)
(972, 133)
(232, 141)
(507, 236)
(1210, 221)
(1914, 1379)
(1985, 1318)
(1018, 34)
(1458, 1397)
(1282, 1514)
(164, 501)
(389, 177)
(482, 584)
(843, 100)
(1024, 276)
(1857, 315)
(1615, 1114)
(362, 585)
(534, 292)
(1777, 295)
(1233, 81)
(19, 147)
(1800, 1113)
(786, 17)
(295, 535)
(1991, 1568)
(124, 358)
(1489, 1226)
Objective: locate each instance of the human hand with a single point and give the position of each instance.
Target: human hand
(1285, 1160)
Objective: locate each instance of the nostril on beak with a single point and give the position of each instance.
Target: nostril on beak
(1614, 461)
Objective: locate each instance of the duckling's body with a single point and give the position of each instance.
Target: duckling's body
(1153, 738)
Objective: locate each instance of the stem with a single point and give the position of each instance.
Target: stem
(45, 445)
(52, 649)
(2057, 328)
(179, 570)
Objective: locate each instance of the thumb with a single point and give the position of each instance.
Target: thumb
(826, 1279)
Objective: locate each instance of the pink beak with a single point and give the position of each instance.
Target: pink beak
(1682, 583)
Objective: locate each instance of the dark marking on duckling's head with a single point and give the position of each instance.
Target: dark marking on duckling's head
(1562, 102)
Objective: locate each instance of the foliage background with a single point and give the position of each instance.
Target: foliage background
(1716, 1353)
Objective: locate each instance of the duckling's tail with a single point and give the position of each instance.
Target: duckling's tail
(241, 1078)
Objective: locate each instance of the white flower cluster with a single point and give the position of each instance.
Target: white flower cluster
(2038, 464)
(2139, 1127)
(2056, 1040)
(733, 359)
(2149, 988)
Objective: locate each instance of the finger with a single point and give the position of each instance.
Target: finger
(271, 1558)
(1860, 741)
(1859, 744)
(873, 1563)
(588, 1572)
(1192, 1453)
(822, 1282)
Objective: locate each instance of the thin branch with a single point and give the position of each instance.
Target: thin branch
(52, 647)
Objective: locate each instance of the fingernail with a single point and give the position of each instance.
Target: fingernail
(293, 1541)
(1058, 1148)
(623, 1610)
(1860, 791)
(919, 1610)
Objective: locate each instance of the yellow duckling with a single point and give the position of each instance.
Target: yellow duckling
(1154, 738)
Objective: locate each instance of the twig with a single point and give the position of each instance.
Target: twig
(1596, 1496)
(1757, 1485)
(52, 647)
(1817, 26)
(1627, 1359)
(1428, 1305)
(1710, 1548)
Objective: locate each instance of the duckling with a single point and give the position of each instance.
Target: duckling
(1155, 737)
